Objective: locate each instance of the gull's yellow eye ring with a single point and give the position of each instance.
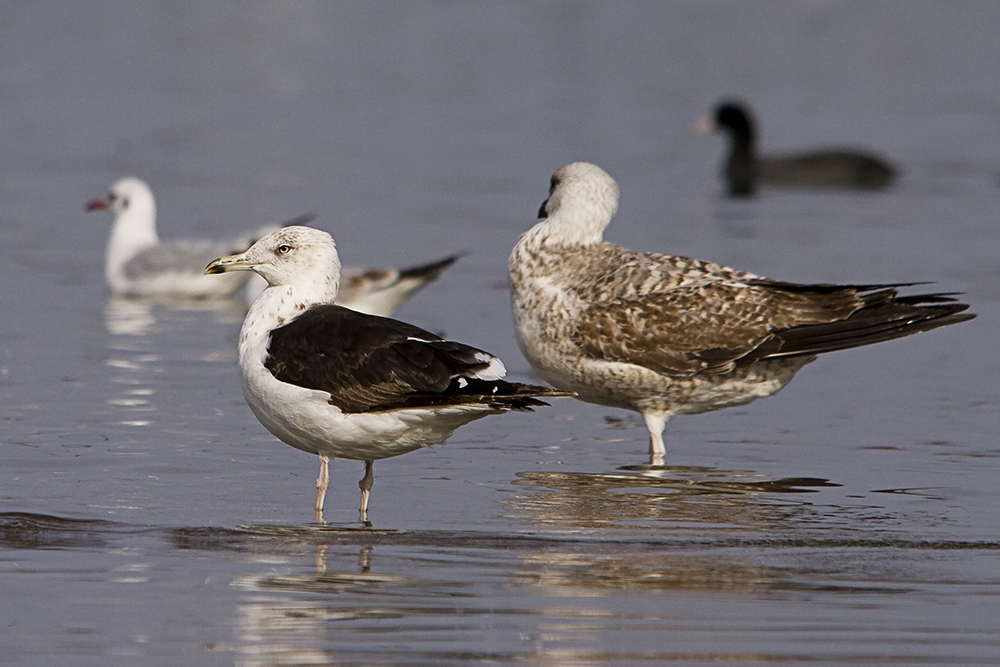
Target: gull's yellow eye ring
(284, 249)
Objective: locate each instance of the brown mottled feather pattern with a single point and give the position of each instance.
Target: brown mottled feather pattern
(668, 335)
(681, 316)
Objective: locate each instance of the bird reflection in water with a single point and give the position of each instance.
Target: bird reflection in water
(136, 354)
(290, 618)
(133, 364)
(691, 498)
(569, 572)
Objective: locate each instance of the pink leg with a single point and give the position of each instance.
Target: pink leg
(365, 485)
(656, 422)
(322, 484)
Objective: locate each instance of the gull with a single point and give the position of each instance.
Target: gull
(138, 263)
(337, 383)
(382, 290)
(663, 335)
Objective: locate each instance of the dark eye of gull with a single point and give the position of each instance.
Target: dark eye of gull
(125, 202)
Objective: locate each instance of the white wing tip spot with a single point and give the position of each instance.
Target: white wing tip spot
(494, 371)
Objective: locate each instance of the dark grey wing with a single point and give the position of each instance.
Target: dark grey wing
(368, 363)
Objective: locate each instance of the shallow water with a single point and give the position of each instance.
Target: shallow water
(147, 518)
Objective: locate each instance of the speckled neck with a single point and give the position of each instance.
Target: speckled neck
(275, 307)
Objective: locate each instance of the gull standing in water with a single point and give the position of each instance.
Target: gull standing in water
(341, 384)
(665, 335)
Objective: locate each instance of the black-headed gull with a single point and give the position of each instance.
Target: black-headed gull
(138, 263)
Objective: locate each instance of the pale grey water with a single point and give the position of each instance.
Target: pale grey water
(146, 518)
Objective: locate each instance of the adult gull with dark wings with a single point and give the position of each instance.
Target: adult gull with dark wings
(341, 384)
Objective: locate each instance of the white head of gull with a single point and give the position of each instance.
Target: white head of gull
(665, 335)
(341, 384)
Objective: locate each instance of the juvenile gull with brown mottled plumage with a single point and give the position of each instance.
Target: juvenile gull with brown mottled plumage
(341, 384)
(665, 335)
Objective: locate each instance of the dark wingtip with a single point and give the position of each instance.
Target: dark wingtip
(433, 269)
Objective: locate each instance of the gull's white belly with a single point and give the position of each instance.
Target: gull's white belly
(304, 419)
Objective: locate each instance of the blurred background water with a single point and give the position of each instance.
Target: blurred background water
(147, 518)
